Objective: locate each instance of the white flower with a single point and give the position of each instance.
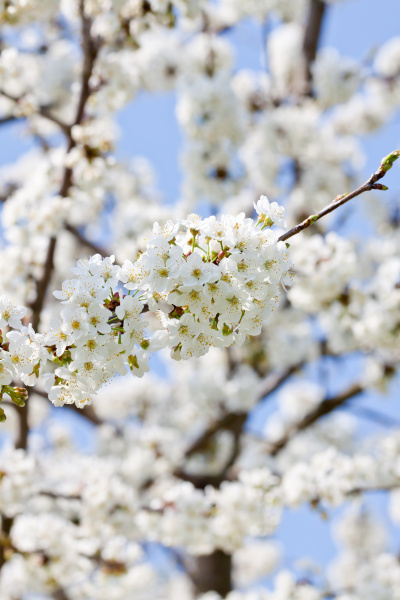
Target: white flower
(138, 363)
(56, 336)
(21, 357)
(98, 317)
(132, 275)
(191, 296)
(168, 231)
(10, 314)
(197, 272)
(75, 322)
(129, 308)
(6, 368)
(183, 331)
(271, 214)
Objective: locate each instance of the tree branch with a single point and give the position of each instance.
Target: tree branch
(370, 184)
(312, 36)
(323, 409)
(6, 525)
(85, 242)
(44, 111)
(90, 53)
(89, 56)
(87, 411)
(60, 594)
(234, 421)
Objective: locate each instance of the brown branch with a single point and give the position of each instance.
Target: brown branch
(57, 496)
(212, 572)
(41, 284)
(230, 422)
(44, 111)
(85, 242)
(312, 36)
(89, 56)
(6, 525)
(370, 184)
(323, 409)
(60, 594)
(90, 50)
(90, 53)
(234, 421)
(274, 381)
(87, 411)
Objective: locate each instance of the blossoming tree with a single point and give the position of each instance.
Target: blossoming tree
(178, 496)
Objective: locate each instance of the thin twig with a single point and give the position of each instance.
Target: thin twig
(374, 416)
(370, 184)
(323, 409)
(85, 242)
(44, 111)
(87, 411)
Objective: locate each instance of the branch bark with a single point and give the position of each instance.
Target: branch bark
(90, 50)
(6, 524)
(44, 111)
(311, 40)
(370, 184)
(212, 573)
(323, 409)
(85, 242)
(234, 421)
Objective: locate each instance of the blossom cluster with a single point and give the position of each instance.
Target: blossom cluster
(212, 282)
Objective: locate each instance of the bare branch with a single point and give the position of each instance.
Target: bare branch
(89, 56)
(212, 572)
(87, 411)
(312, 36)
(44, 111)
(90, 53)
(370, 184)
(85, 242)
(230, 422)
(41, 284)
(234, 421)
(60, 594)
(6, 525)
(325, 408)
